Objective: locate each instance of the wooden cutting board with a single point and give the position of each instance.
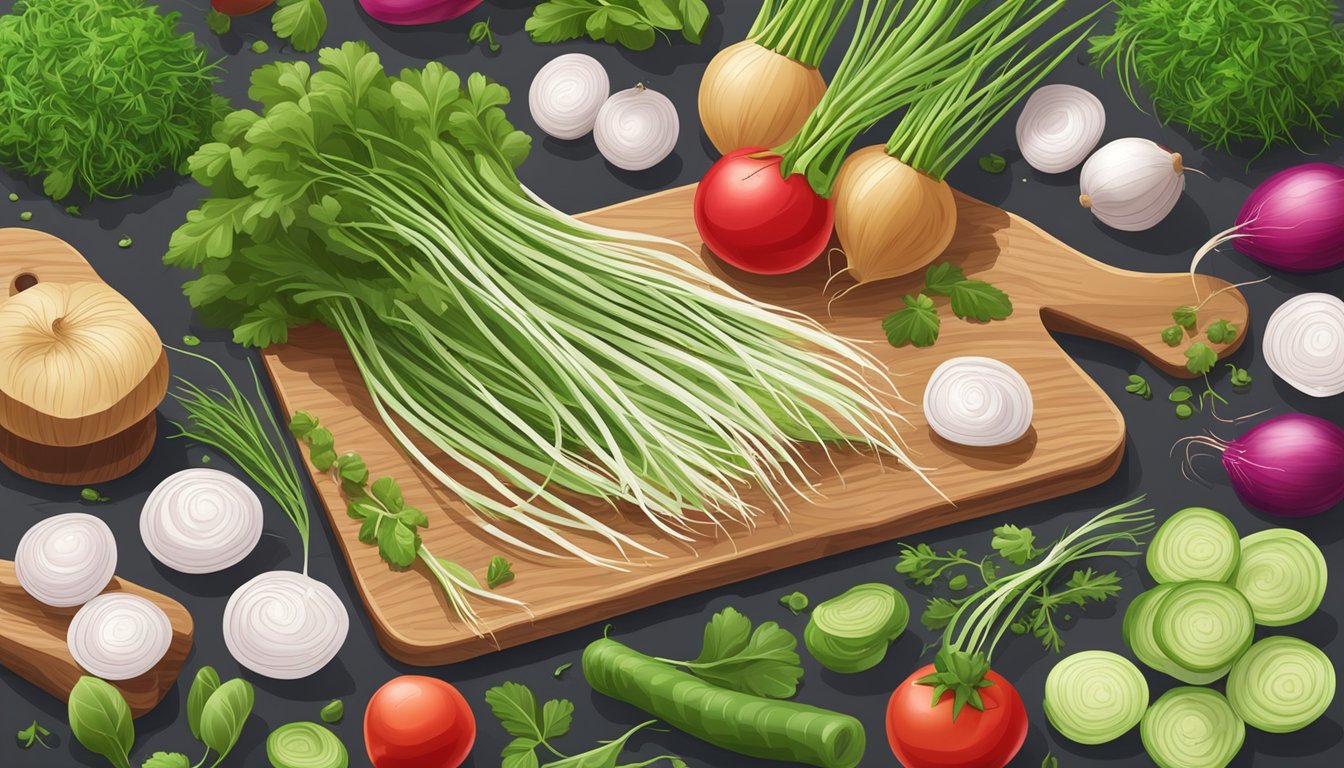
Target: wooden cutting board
(32, 643)
(1076, 440)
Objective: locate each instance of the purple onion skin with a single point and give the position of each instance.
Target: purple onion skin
(1288, 466)
(412, 12)
(1295, 219)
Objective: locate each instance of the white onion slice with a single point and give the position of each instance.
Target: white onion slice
(118, 636)
(284, 625)
(1132, 184)
(201, 520)
(977, 401)
(1304, 343)
(66, 560)
(636, 128)
(566, 95)
(1058, 126)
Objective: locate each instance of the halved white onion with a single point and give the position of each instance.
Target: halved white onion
(1058, 126)
(636, 128)
(1304, 343)
(284, 625)
(1132, 184)
(977, 401)
(201, 520)
(566, 95)
(118, 636)
(66, 560)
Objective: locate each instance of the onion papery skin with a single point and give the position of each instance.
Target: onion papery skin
(305, 745)
(1201, 725)
(1304, 343)
(201, 520)
(1195, 544)
(1289, 466)
(118, 636)
(1271, 576)
(78, 364)
(751, 96)
(636, 129)
(284, 625)
(977, 401)
(567, 94)
(1294, 221)
(751, 216)
(1132, 184)
(1093, 690)
(66, 560)
(1059, 125)
(1281, 685)
(890, 218)
(413, 12)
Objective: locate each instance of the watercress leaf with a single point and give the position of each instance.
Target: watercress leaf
(1172, 335)
(413, 518)
(556, 717)
(1185, 317)
(218, 23)
(694, 19)
(515, 707)
(100, 720)
(352, 469)
(499, 572)
(978, 300)
(321, 458)
(520, 753)
(726, 635)
(1180, 394)
(167, 760)
(225, 714)
(940, 278)
(302, 22)
(604, 756)
(301, 425)
(917, 323)
(388, 493)
(203, 686)
(1199, 359)
(397, 543)
(1014, 544)
(1221, 332)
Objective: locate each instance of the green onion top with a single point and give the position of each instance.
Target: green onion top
(802, 30)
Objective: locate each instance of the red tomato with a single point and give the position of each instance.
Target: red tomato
(239, 7)
(755, 219)
(418, 722)
(926, 737)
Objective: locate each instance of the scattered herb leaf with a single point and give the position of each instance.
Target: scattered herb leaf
(796, 602)
(958, 582)
(1185, 317)
(1239, 377)
(481, 33)
(1014, 544)
(167, 760)
(1172, 335)
(1199, 359)
(499, 572)
(763, 662)
(191, 341)
(73, 210)
(33, 734)
(1184, 411)
(13, 197)
(1180, 394)
(993, 163)
(917, 323)
(560, 670)
(203, 686)
(219, 23)
(1050, 761)
(1221, 332)
(301, 22)
(125, 241)
(940, 279)
(224, 715)
(938, 611)
(92, 494)
(333, 711)
(1139, 386)
(26, 216)
(260, 46)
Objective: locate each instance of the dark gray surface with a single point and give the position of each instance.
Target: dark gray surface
(575, 178)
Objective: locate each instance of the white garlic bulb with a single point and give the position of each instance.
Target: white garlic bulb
(1132, 184)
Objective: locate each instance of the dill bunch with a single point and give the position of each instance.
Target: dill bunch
(100, 94)
(1231, 70)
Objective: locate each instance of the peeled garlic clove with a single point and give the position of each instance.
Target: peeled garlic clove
(66, 560)
(1058, 126)
(566, 95)
(636, 128)
(977, 401)
(78, 364)
(1132, 184)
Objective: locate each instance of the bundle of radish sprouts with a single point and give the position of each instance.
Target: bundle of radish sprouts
(758, 92)
(547, 359)
(770, 211)
(894, 212)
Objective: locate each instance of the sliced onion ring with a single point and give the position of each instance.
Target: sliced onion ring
(118, 636)
(201, 521)
(66, 560)
(1304, 343)
(284, 625)
(1059, 125)
(977, 401)
(566, 95)
(636, 128)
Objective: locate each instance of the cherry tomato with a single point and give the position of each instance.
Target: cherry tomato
(924, 736)
(418, 722)
(755, 219)
(239, 7)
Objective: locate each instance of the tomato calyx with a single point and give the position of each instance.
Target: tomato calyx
(961, 673)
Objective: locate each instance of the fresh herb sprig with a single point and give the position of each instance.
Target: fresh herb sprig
(33, 734)
(634, 24)
(918, 324)
(761, 662)
(1200, 358)
(481, 33)
(389, 523)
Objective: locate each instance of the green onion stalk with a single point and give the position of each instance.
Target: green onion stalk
(551, 373)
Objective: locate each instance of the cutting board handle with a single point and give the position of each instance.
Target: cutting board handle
(29, 257)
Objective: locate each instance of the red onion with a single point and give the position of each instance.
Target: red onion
(411, 12)
(1289, 466)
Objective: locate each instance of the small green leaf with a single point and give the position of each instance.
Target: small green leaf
(73, 210)
(939, 279)
(100, 720)
(218, 23)
(31, 735)
(1240, 377)
(499, 572)
(13, 197)
(916, 324)
(1172, 335)
(1199, 359)
(1139, 386)
(301, 425)
(993, 163)
(125, 241)
(333, 711)
(795, 601)
(1014, 544)
(978, 300)
(26, 216)
(560, 670)
(1185, 317)
(958, 582)
(351, 469)
(1221, 332)
(167, 760)
(92, 494)
(191, 341)
(1184, 411)
(203, 686)
(480, 33)
(1180, 394)
(1050, 761)
(260, 46)
(224, 715)
(301, 22)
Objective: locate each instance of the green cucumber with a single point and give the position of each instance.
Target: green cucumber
(850, 633)
(1138, 633)
(1195, 544)
(1094, 697)
(1283, 576)
(1192, 728)
(1281, 685)
(1203, 626)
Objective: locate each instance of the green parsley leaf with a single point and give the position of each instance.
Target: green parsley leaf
(1240, 377)
(92, 494)
(1014, 544)
(191, 341)
(940, 279)
(73, 210)
(631, 23)
(1172, 335)
(350, 468)
(1199, 359)
(993, 163)
(499, 572)
(219, 23)
(517, 710)
(260, 46)
(302, 22)
(125, 241)
(1221, 332)
(1185, 317)
(1184, 411)
(958, 582)
(560, 670)
(938, 611)
(1180, 394)
(916, 324)
(763, 662)
(26, 216)
(167, 760)
(1139, 386)
(480, 33)
(978, 300)
(795, 601)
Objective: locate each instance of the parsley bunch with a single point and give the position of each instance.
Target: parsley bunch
(100, 94)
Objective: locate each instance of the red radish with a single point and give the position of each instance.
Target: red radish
(418, 722)
(1288, 466)
(754, 218)
(922, 736)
